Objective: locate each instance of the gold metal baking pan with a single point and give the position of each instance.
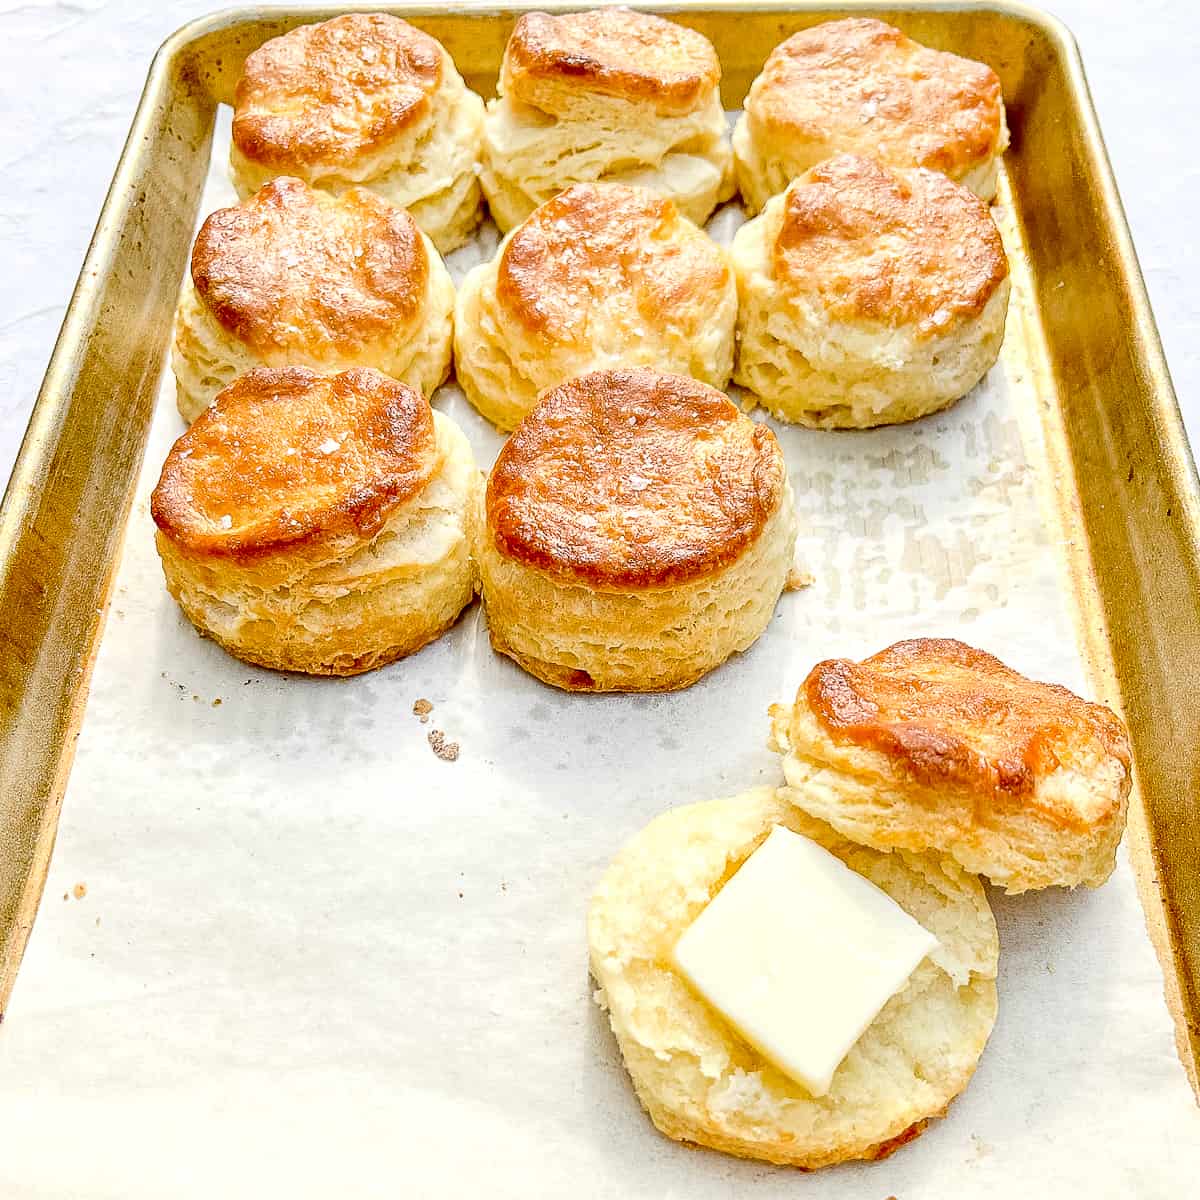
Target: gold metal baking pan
(1123, 481)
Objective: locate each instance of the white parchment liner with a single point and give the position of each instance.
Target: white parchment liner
(315, 960)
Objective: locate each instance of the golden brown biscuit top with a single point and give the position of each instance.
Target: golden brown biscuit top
(633, 479)
(292, 269)
(286, 456)
(609, 52)
(890, 245)
(327, 93)
(860, 85)
(605, 253)
(948, 715)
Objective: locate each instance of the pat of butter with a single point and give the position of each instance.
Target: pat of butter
(799, 953)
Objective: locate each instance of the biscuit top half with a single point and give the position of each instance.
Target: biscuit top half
(613, 52)
(946, 715)
(324, 94)
(607, 255)
(633, 479)
(286, 457)
(897, 246)
(293, 270)
(863, 86)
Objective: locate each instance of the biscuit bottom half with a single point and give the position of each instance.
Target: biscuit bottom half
(586, 639)
(390, 596)
(703, 1084)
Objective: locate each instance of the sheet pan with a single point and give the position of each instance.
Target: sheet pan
(283, 947)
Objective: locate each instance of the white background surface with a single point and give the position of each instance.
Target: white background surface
(71, 73)
(312, 960)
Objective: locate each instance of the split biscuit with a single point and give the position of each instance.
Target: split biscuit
(703, 1083)
(933, 745)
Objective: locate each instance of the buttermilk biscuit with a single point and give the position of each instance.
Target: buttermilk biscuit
(610, 95)
(603, 275)
(317, 523)
(363, 99)
(862, 87)
(868, 296)
(637, 530)
(933, 745)
(700, 1081)
(293, 276)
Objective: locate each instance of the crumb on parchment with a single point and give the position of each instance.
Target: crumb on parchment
(79, 891)
(446, 750)
(797, 579)
(422, 708)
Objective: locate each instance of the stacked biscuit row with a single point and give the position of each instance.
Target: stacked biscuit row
(871, 289)
(606, 96)
(637, 528)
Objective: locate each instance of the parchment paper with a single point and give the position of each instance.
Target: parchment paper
(313, 959)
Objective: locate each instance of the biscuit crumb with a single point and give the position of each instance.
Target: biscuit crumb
(422, 708)
(445, 750)
(66, 895)
(797, 579)
(79, 891)
(217, 702)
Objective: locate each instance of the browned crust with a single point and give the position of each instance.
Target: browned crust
(781, 1155)
(286, 457)
(573, 679)
(888, 1148)
(612, 52)
(293, 270)
(949, 716)
(861, 84)
(329, 92)
(633, 479)
(598, 245)
(890, 245)
(319, 660)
